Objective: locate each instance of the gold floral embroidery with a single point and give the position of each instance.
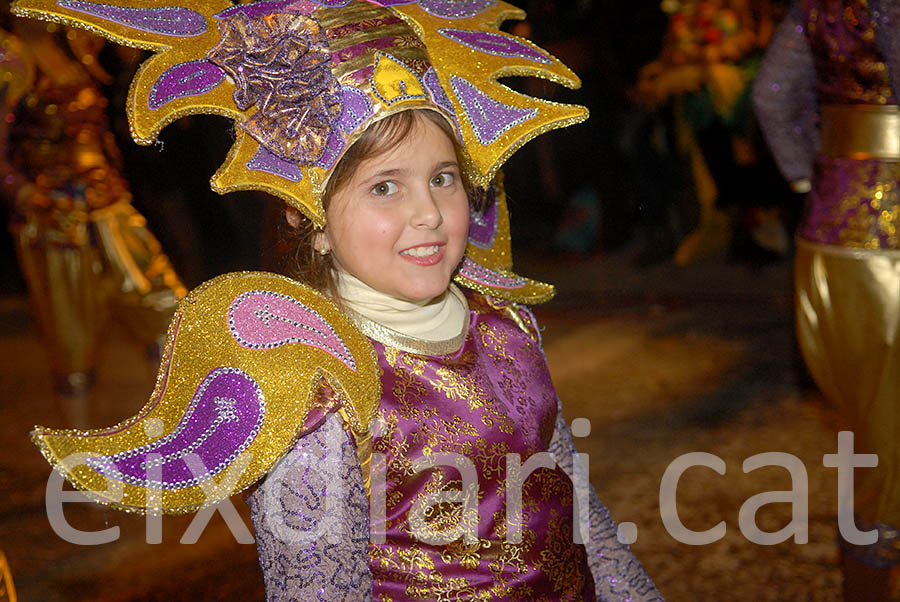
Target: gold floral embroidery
(560, 559)
(465, 388)
(467, 555)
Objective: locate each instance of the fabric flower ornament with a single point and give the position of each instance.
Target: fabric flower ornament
(282, 64)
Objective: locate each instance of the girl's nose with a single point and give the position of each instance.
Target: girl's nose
(426, 213)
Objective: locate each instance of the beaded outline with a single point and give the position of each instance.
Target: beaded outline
(343, 354)
(105, 465)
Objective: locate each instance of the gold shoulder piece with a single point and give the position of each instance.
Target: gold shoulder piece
(245, 354)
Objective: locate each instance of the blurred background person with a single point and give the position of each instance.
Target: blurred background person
(85, 252)
(827, 100)
(701, 82)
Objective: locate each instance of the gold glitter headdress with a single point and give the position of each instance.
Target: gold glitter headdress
(359, 61)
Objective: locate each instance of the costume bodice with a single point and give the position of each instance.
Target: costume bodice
(491, 397)
(855, 198)
(849, 65)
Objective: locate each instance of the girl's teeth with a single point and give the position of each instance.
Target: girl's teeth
(421, 251)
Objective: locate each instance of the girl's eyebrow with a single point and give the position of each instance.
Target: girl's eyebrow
(398, 171)
(389, 172)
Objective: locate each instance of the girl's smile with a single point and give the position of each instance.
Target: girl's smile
(400, 224)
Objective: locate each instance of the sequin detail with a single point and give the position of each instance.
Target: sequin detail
(842, 40)
(165, 20)
(456, 9)
(489, 118)
(256, 9)
(483, 227)
(267, 161)
(855, 203)
(333, 151)
(494, 43)
(185, 79)
(311, 518)
(482, 275)
(224, 417)
(357, 109)
(393, 82)
(388, 3)
(265, 320)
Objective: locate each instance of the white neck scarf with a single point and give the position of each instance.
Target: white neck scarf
(438, 319)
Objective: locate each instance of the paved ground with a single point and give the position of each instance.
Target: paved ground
(663, 361)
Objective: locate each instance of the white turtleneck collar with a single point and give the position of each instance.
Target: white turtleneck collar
(439, 319)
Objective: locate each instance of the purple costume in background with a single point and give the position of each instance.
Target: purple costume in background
(828, 105)
(491, 397)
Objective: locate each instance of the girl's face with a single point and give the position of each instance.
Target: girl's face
(400, 224)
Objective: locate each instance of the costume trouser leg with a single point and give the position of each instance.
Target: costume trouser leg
(78, 272)
(848, 324)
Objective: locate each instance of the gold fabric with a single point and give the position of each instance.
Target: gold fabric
(848, 323)
(861, 131)
(81, 267)
(206, 337)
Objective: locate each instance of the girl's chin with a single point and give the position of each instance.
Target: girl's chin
(424, 295)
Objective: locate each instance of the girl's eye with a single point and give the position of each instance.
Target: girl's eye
(443, 180)
(384, 188)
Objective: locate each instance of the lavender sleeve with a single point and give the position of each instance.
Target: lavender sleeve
(311, 517)
(618, 574)
(784, 96)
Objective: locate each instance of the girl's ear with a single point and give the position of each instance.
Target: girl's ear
(292, 216)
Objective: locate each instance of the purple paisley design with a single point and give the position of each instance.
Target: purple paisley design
(222, 420)
(267, 161)
(489, 118)
(185, 79)
(494, 43)
(357, 109)
(455, 9)
(165, 20)
(483, 227)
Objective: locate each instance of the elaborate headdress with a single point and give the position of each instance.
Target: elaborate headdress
(302, 79)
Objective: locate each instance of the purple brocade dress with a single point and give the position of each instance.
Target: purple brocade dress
(826, 99)
(447, 422)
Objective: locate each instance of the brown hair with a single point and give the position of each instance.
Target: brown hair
(302, 260)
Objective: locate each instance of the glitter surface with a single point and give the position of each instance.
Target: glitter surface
(185, 79)
(166, 20)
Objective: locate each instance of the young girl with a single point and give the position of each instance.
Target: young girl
(410, 432)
